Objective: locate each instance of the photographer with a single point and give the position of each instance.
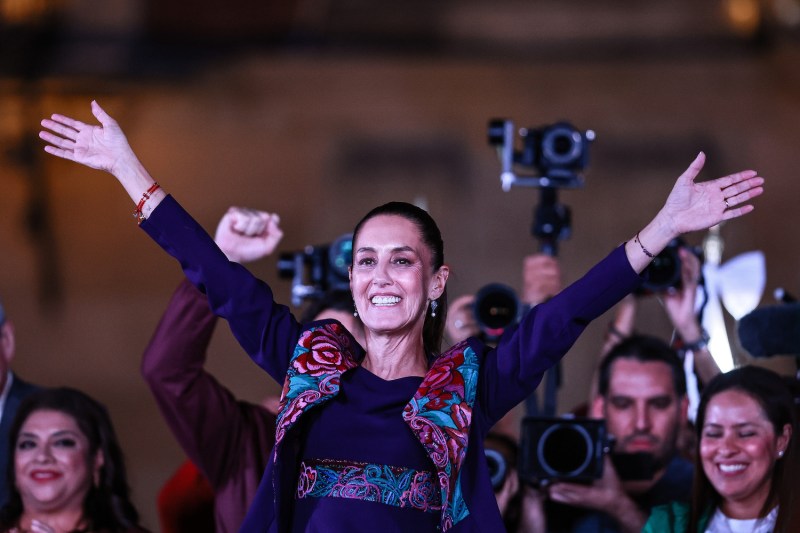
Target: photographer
(642, 396)
(678, 299)
(541, 280)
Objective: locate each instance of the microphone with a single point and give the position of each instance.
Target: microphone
(771, 330)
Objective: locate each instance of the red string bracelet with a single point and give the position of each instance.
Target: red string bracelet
(146, 196)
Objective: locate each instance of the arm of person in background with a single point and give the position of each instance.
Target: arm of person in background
(266, 330)
(548, 330)
(221, 435)
(680, 307)
(541, 278)
(620, 328)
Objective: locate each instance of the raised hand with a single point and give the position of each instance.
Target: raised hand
(247, 235)
(695, 205)
(103, 147)
(680, 303)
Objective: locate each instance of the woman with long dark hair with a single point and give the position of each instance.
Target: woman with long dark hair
(746, 423)
(68, 473)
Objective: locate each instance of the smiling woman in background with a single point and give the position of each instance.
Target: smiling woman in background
(745, 424)
(68, 473)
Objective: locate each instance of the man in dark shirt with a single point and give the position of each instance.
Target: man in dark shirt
(642, 396)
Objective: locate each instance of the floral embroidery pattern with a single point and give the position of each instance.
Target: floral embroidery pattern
(317, 364)
(440, 414)
(397, 486)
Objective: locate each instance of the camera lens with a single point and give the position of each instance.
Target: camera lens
(562, 146)
(496, 308)
(340, 255)
(565, 449)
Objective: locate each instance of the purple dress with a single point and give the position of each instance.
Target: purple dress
(466, 391)
(363, 424)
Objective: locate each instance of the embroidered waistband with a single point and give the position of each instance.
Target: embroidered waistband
(398, 486)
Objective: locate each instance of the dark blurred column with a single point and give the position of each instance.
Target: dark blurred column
(29, 34)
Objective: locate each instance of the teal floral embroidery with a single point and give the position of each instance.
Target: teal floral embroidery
(440, 414)
(397, 486)
(319, 360)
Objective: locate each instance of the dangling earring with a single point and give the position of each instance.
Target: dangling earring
(355, 309)
(434, 305)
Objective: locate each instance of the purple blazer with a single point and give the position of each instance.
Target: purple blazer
(491, 381)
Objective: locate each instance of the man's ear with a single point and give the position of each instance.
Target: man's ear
(598, 407)
(684, 410)
(7, 341)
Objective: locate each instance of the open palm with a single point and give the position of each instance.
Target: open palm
(100, 147)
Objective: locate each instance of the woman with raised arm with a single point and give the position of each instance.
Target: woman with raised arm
(390, 434)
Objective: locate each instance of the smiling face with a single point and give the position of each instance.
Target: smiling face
(51, 462)
(392, 277)
(738, 450)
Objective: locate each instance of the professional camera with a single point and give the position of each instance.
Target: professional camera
(496, 307)
(664, 272)
(317, 269)
(567, 449)
(559, 152)
(572, 449)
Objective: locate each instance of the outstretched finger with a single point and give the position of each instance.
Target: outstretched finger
(76, 125)
(694, 168)
(737, 211)
(740, 182)
(100, 114)
(65, 131)
(60, 152)
(57, 141)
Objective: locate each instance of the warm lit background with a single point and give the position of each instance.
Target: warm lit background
(320, 110)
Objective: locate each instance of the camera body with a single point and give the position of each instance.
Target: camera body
(664, 272)
(572, 450)
(565, 449)
(558, 152)
(317, 269)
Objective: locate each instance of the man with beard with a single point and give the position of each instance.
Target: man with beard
(642, 396)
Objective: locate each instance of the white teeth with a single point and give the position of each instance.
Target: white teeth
(732, 468)
(385, 300)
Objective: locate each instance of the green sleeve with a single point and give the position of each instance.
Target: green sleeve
(670, 518)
